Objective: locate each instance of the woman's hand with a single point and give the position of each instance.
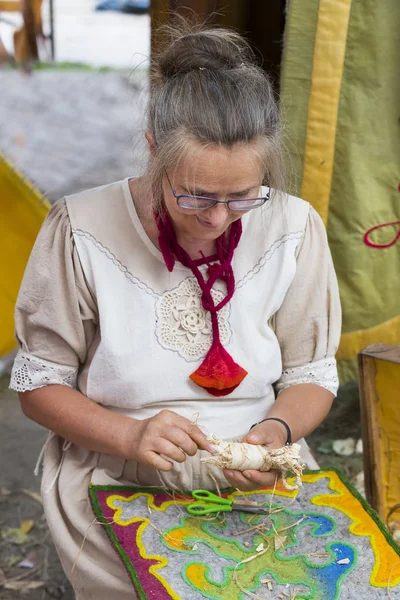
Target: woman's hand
(271, 434)
(82, 421)
(166, 434)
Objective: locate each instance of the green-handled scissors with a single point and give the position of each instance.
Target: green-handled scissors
(211, 503)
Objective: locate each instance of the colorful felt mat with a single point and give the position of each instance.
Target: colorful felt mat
(323, 543)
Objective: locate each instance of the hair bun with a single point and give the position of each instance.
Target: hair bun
(212, 49)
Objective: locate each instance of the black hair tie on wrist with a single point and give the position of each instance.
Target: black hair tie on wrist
(286, 426)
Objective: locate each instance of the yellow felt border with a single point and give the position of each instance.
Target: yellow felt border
(386, 569)
(353, 342)
(329, 54)
(162, 561)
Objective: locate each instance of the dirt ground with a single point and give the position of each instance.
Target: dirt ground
(70, 130)
(20, 442)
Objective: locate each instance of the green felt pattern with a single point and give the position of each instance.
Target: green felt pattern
(195, 557)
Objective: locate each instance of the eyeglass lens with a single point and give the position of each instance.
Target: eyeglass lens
(201, 203)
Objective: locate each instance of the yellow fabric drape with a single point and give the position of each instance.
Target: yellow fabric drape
(22, 211)
(329, 53)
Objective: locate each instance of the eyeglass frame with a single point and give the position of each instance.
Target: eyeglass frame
(215, 202)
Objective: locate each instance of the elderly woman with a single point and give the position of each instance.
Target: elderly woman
(191, 294)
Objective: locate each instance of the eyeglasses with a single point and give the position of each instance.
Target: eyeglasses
(201, 202)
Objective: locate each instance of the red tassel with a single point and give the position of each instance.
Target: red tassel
(218, 373)
(225, 392)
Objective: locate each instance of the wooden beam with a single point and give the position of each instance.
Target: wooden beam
(10, 6)
(379, 379)
(29, 13)
(159, 16)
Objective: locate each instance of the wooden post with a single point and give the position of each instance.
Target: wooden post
(25, 38)
(52, 32)
(379, 378)
(30, 28)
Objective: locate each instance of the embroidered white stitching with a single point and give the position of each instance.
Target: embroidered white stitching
(256, 269)
(293, 235)
(116, 262)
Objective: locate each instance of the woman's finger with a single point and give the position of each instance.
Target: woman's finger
(182, 440)
(270, 433)
(168, 449)
(199, 437)
(237, 480)
(167, 419)
(157, 462)
(259, 478)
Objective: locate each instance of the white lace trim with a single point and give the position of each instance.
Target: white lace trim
(30, 373)
(182, 323)
(321, 372)
(268, 254)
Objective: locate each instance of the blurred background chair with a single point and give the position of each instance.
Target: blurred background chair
(29, 36)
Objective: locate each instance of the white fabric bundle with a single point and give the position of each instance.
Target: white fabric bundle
(241, 457)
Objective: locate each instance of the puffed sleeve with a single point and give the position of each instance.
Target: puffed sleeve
(308, 324)
(55, 314)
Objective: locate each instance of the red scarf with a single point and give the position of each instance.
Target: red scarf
(218, 373)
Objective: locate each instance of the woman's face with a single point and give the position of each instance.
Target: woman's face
(215, 172)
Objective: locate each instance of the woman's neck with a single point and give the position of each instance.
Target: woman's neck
(196, 248)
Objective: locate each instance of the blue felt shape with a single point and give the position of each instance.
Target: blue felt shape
(330, 575)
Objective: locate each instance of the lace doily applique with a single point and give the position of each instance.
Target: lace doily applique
(30, 373)
(321, 372)
(184, 326)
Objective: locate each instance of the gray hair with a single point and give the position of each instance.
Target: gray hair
(207, 89)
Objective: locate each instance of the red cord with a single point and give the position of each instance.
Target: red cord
(218, 373)
(371, 244)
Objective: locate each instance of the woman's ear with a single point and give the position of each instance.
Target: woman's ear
(152, 144)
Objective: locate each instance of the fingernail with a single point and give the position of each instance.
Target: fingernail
(247, 474)
(253, 439)
(229, 473)
(212, 449)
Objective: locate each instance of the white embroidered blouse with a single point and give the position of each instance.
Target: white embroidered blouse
(99, 310)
